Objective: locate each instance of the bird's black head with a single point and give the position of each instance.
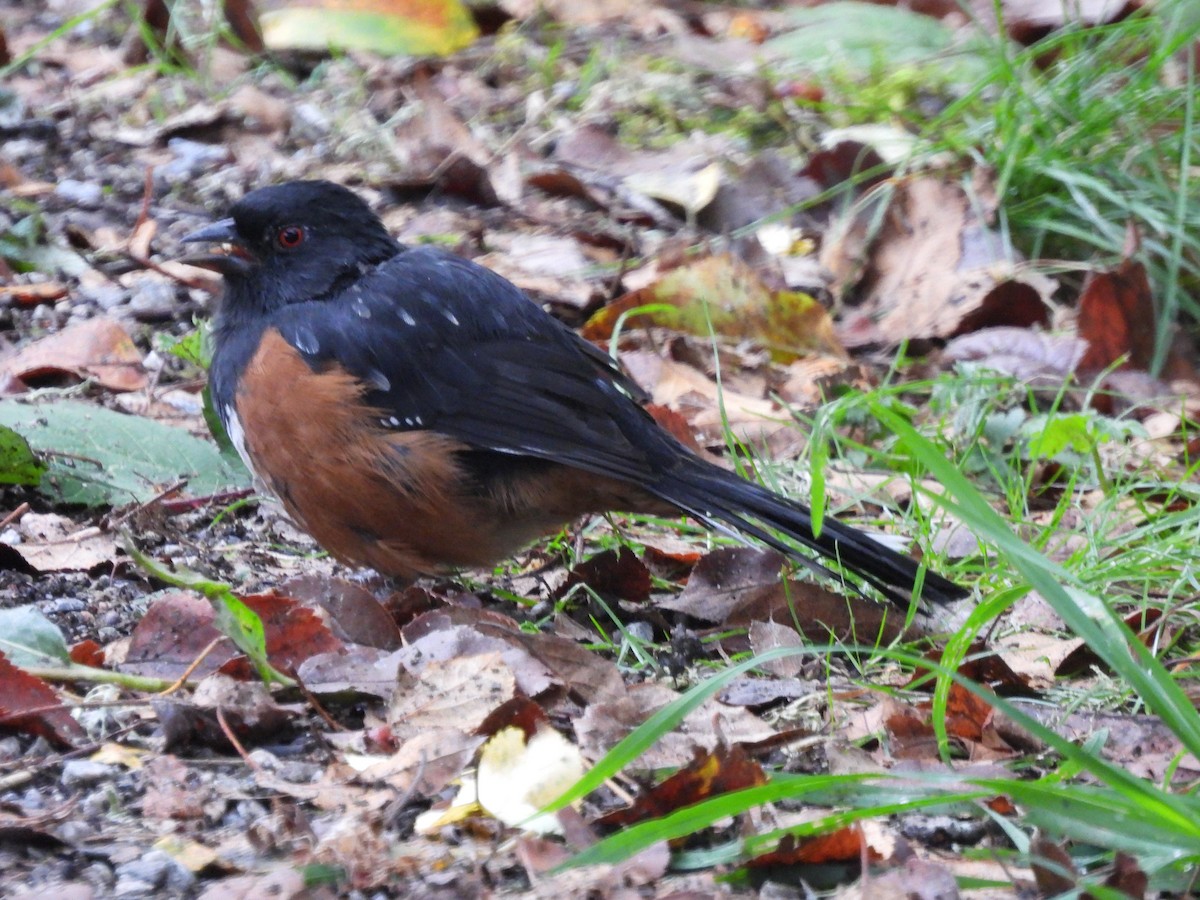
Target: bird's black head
(288, 243)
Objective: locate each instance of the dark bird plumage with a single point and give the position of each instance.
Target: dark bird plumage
(415, 411)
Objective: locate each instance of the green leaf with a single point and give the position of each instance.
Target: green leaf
(30, 640)
(18, 463)
(860, 36)
(98, 457)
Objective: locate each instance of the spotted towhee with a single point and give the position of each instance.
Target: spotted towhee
(417, 412)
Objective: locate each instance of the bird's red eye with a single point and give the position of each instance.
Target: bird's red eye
(290, 237)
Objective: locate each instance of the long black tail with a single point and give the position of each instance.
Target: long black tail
(715, 496)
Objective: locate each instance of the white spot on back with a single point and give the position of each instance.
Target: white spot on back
(451, 318)
(360, 307)
(407, 317)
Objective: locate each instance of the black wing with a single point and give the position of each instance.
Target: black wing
(450, 346)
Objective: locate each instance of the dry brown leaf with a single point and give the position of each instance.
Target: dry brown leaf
(54, 543)
(933, 269)
(425, 763)
(456, 693)
(603, 725)
(96, 348)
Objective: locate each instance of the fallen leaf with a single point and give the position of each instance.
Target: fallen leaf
(1117, 319)
(845, 845)
(54, 543)
(604, 724)
(613, 574)
(519, 774)
(933, 269)
(30, 706)
(390, 27)
(99, 348)
(709, 774)
(721, 294)
(456, 693)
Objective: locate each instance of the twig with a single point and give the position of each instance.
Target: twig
(232, 738)
(14, 515)
(182, 680)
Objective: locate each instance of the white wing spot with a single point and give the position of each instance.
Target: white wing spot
(237, 436)
(407, 317)
(378, 380)
(451, 318)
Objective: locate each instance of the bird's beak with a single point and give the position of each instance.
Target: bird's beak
(231, 259)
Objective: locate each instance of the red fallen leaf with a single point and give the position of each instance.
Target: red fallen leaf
(846, 845)
(95, 348)
(28, 705)
(983, 667)
(1001, 805)
(1083, 657)
(519, 712)
(355, 614)
(175, 630)
(293, 634)
(911, 734)
(179, 627)
(670, 563)
(966, 714)
(708, 775)
(1116, 318)
(612, 573)
(88, 653)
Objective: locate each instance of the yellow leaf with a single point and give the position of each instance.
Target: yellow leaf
(388, 27)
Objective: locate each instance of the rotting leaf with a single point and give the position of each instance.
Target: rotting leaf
(1142, 622)
(983, 666)
(54, 543)
(723, 295)
(220, 702)
(389, 27)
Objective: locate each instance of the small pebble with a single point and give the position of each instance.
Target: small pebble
(82, 772)
(64, 605)
(152, 300)
(84, 194)
(105, 296)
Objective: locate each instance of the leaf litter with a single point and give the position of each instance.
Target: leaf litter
(397, 689)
